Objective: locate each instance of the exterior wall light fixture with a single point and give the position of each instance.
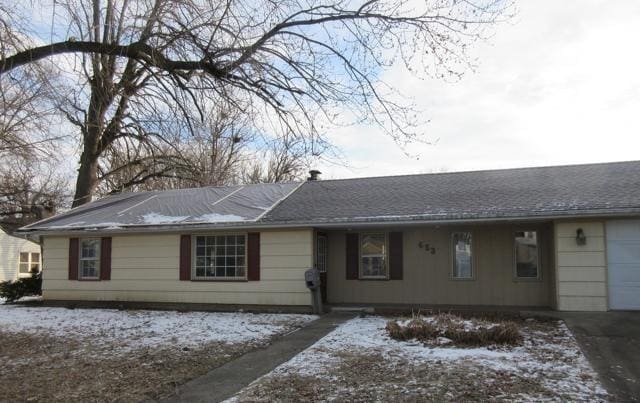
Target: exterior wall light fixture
(581, 238)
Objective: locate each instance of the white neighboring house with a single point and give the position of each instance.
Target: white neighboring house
(18, 257)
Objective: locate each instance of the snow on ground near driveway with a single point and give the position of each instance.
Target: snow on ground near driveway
(549, 357)
(124, 331)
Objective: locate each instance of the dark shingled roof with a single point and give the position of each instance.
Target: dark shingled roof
(611, 188)
(225, 205)
(524, 193)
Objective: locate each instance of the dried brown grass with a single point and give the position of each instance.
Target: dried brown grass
(451, 326)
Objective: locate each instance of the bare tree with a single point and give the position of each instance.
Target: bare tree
(26, 195)
(282, 161)
(290, 65)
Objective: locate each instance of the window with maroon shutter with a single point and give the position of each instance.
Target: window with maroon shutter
(185, 257)
(73, 258)
(253, 256)
(395, 256)
(353, 255)
(105, 258)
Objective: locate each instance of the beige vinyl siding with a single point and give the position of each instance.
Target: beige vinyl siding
(581, 274)
(427, 277)
(10, 248)
(146, 268)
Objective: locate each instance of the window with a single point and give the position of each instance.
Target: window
(462, 255)
(373, 251)
(321, 253)
(90, 259)
(526, 251)
(220, 257)
(29, 263)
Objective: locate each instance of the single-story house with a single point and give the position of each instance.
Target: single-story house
(19, 257)
(563, 237)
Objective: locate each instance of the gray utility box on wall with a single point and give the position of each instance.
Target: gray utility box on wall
(312, 281)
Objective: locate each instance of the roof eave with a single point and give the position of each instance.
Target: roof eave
(347, 223)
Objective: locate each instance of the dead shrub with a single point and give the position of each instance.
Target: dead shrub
(452, 327)
(415, 329)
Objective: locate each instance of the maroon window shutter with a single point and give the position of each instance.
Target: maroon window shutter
(185, 257)
(353, 256)
(74, 257)
(253, 256)
(395, 256)
(105, 258)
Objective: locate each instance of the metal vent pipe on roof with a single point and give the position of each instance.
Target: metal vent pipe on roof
(314, 175)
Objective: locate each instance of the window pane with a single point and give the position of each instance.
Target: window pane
(24, 257)
(24, 268)
(372, 244)
(90, 248)
(231, 250)
(200, 251)
(200, 271)
(200, 240)
(526, 251)
(239, 271)
(35, 267)
(220, 271)
(88, 269)
(231, 271)
(462, 266)
(35, 257)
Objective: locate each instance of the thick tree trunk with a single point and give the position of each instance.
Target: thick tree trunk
(87, 180)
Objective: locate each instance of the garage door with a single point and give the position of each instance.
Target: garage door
(623, 257)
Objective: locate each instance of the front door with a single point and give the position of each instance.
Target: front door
(321, 262)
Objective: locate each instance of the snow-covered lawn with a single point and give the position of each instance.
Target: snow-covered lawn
(113, 355)
(360, 362)
(123, 331)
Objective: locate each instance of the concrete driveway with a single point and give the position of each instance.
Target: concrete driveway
(611, 342)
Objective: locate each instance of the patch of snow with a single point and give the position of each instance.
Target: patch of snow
(560, 367)
(155, 218)
(214, 218)
(123, 331)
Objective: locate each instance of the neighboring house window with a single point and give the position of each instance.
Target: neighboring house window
(526, 251)
(462, 255)
(373, 255)
(89, 259)
(220, 257)
(29, 263)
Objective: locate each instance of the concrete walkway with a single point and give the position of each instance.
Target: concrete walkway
(611, 342)
(225, 381)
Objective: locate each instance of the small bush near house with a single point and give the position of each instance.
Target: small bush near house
(452, 329)
(12, 291)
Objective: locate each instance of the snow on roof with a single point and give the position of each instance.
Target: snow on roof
(207, 205)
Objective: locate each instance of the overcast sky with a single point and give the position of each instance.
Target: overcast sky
(558, 85)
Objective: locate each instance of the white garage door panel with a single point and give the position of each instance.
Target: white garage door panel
(623, 230)
(623, 260)
(625, 298)
(624, 252)
(625, 274)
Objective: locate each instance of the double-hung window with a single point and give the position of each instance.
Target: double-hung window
(29, 263)
(220, 257)
(373, 256)
(89, 259)
(462, 255)
(526, 255)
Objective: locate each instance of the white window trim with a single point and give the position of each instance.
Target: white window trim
(385, 256)
(452, 275)
(97, 259)
(515, 256)
(30, 262)
(213, 278)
